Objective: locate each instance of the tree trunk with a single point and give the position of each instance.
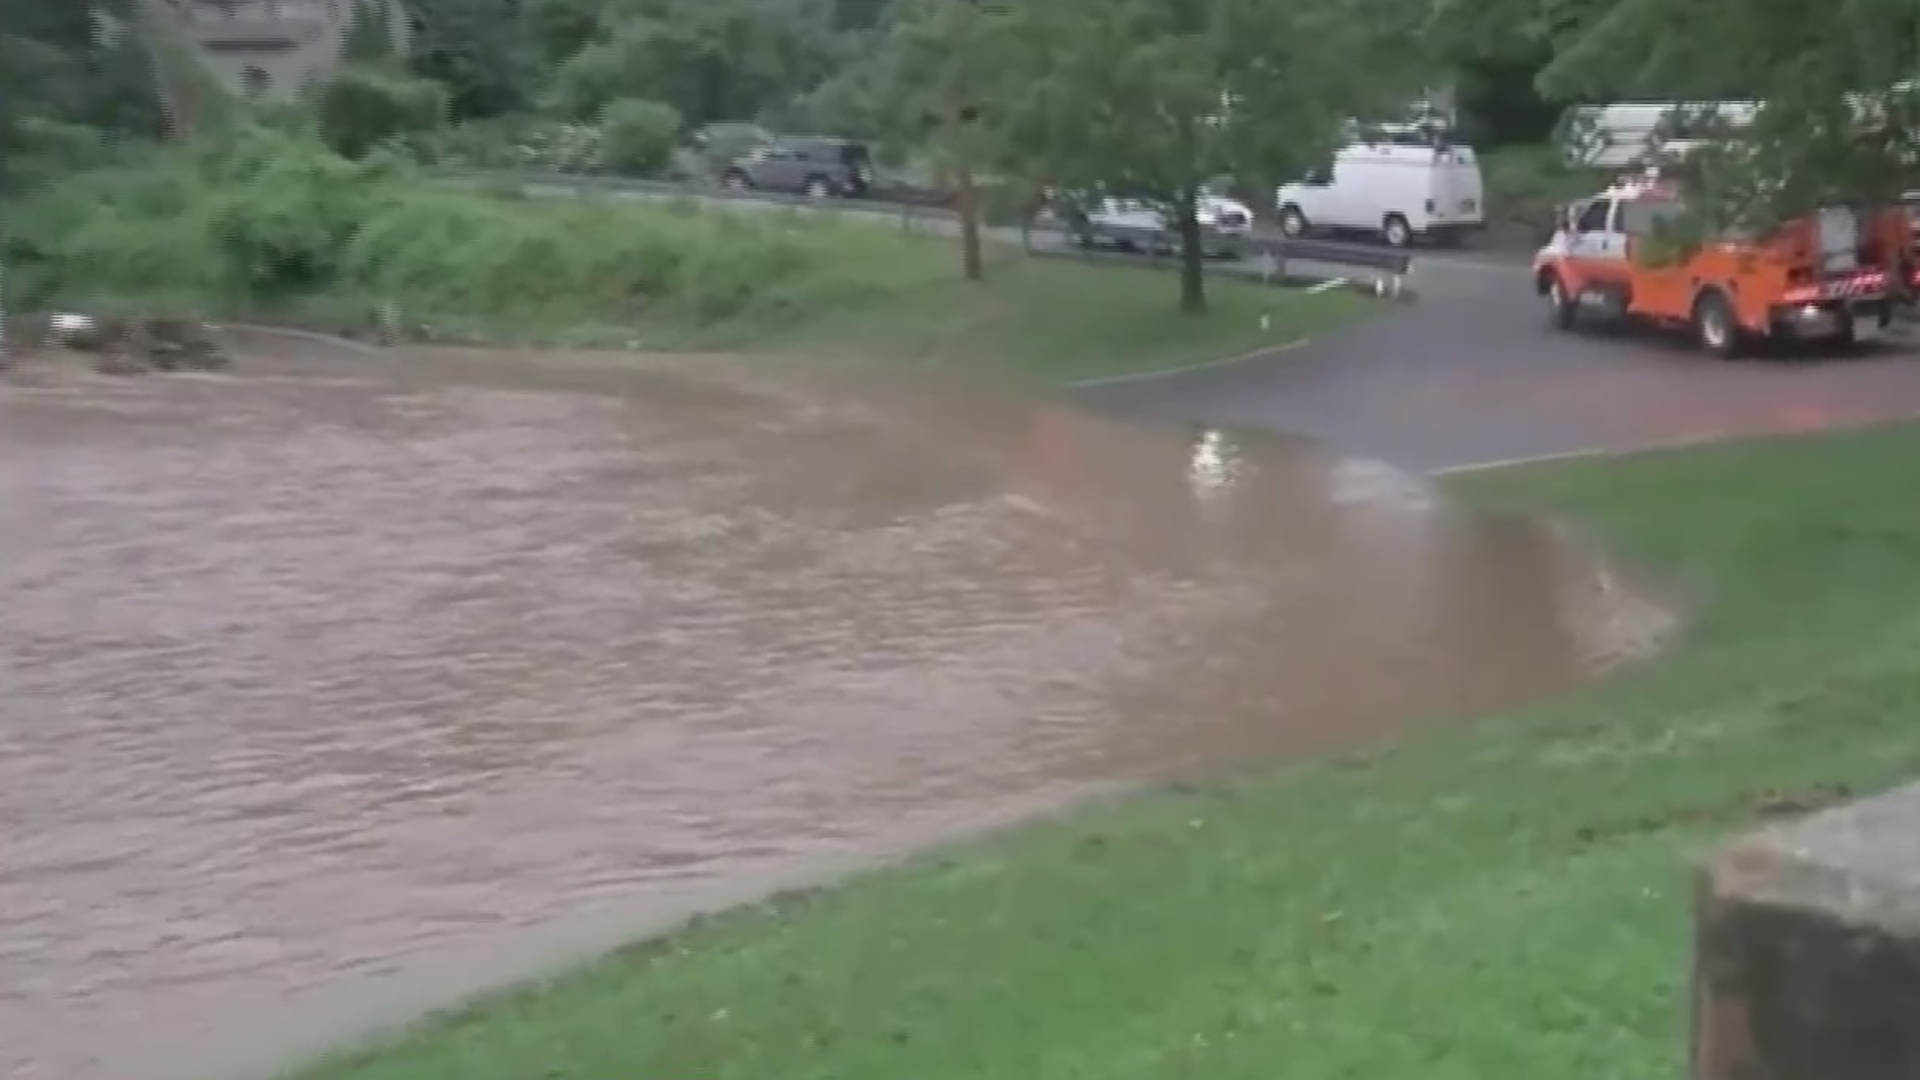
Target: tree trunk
(1193, 256)
(969, 206)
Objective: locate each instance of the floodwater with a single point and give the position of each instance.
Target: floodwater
(336, 686)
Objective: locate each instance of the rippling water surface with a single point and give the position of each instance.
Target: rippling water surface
(337, 685)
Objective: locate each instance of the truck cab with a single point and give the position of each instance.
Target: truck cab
(1831, 275)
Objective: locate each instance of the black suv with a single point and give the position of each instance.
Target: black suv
(818, 166)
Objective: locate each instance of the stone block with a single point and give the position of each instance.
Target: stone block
(1807, 950)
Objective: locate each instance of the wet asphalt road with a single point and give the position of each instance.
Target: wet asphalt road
(1471, 374)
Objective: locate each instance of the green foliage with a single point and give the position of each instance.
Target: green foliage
(267, 219)
(1835, 123)
(370, 37)
(637, 137)
(1151, 98)
(710, 59)
(366, 107)
(70, 89)
(482, 52)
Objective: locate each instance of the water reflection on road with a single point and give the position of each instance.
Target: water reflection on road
(334, 686)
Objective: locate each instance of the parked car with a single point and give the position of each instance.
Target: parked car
(819, 166)
(1145, 225)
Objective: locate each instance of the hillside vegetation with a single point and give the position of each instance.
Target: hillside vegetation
(269, 225)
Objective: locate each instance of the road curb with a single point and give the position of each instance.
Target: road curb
(1684, 442)
(1184, 369)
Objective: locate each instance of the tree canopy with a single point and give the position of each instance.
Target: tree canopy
(1837, 113)
(1154, 98)
(1151, 96)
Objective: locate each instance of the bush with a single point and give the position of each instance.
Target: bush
(267, 221)
(366, 107)
(720, 144)
(637, 137)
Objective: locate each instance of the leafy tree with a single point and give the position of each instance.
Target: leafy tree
(370, 36)
(1838, 113)
(1152, 98)
(637, 136)
(859, 97)
(713, 60)
(366, 107)
(560, 28)
(946, 75)
(483, 51)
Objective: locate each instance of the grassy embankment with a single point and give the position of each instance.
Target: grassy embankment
(270, 227)
(1508, 898)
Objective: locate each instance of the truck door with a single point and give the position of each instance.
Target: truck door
(1597, 250)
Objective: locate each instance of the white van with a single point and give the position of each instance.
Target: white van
(1402, 182)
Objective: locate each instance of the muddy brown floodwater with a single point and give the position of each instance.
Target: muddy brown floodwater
(336, 686)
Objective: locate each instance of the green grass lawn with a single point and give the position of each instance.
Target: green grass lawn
(1507, 899)
(876, 294)
(266, 226)
(1057, 320)
(1040, 319)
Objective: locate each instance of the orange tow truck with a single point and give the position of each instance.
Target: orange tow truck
(1834, 274)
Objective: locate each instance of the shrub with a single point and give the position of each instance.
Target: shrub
(267, 221)
(366, 107)
(637, 136)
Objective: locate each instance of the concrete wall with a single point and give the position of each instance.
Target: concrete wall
(1807, 955)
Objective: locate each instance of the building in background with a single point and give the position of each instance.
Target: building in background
(276, 49)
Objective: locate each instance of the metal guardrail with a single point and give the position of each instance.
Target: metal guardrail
(1280, 250)
(1334, 253)
(923, 206)
(884, 201)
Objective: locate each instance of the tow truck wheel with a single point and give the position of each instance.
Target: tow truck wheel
(1716, 327)
(1561, 307)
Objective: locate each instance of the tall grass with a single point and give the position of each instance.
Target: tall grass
(264, 223)
(269, 221)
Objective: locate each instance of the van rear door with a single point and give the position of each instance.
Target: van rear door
(1458, 191)
(1839, 232)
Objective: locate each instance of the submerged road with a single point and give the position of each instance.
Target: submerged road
(1471, 375)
